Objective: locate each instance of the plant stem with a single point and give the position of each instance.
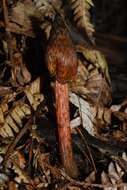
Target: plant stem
(64, 131)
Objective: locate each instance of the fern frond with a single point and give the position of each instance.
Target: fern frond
(12, 120)
(82, 16)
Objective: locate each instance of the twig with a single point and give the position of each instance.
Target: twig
(86, 185)
(91, 157)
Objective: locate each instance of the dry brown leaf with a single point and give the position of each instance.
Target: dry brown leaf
(112, 173)
(120, 115)
(113, 178)
(107, 115)
(25, 73)
(19, 159)
(69, 187)
(5, 90)
(21, 176)
(20, 74)
(33, 93)
(6, 99)
(95, 90)
(96, 58)
(92, 81)
(12, 185)
(118, 135)
(106, 181)
(1, 116)
(124, 156)
(91, 178)
(46, 26)
(20, 21)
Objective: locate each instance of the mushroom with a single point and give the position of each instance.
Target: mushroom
(61, 61)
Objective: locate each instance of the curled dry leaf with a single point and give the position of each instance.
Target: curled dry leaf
(101, 115)
(96, 58)
(113, 178)
(25, 73)
(92, 80)
(99, 90)
(33, 93)
(20, 74)
(113, 174)
(46, 26)
(121, 162)
(106, 181)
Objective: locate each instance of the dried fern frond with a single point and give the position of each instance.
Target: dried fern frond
(82, 16)
(12, 120)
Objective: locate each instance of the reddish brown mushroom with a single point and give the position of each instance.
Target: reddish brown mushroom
(61, 60)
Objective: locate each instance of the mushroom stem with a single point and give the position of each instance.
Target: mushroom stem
(64, 131)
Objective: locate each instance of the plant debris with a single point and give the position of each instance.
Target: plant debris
(29, 110)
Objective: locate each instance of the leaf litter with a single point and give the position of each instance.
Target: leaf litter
(29, 157)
